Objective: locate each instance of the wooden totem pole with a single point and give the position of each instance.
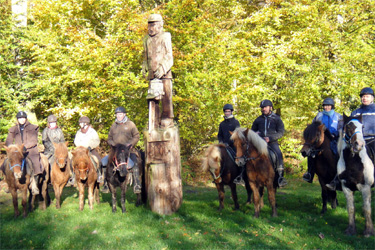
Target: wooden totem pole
(163, 163)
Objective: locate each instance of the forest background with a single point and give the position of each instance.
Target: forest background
(84, 57)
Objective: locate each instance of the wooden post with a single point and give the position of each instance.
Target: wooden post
(163, 170)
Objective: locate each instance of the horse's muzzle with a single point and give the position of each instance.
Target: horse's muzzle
(240, 162)
(18, 175)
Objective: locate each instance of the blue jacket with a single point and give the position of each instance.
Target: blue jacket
(334, 122)
(368, 119)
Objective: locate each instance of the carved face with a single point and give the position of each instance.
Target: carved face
(155, 28)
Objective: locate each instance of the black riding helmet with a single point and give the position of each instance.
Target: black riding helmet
(265, 103)
(120, 110)
(367, 91)
(21, 114)
(228, 106)
(329, 101)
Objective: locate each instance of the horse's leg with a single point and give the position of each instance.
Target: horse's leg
(44, 192)
(333, 197)
(248, 189)
(220, 190)
(256, 198)
(91, 187)
(24, 201)
(81, 190)
(366, 196)
(234, 196)
(123, 193)
(324, 195)
(15, 201)
(56, 189)
(96, 193)
(272, 197)
(113, 192)
(351, 230)
(261, 194)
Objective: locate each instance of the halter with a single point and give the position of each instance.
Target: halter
(346, 138)
(117, 165)
(65, 160)
(15, 165)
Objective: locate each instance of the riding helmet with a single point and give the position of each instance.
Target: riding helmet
(52, 118)
(21, 114)
(265, 103)
(120, 110)
(228, 106)
(84, 119)
(329, 101)
(367, 91)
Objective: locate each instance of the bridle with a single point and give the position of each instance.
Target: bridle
(348, 138)
(312, 146)
(116, 164)
(246, 157)
(15, 165)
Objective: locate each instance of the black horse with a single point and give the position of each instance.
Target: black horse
(118, 174)
(317, 146)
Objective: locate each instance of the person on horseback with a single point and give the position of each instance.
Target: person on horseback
(87, 137)
(27, 134)
(333, 121)
(124, 131)
(271, 128)
(367, 109)
(229, 124)
(51, 134)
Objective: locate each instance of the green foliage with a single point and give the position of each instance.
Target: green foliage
(196, 225)
(83, 57)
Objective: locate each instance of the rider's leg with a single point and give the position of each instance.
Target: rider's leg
(136, 174)
(309, 175)
(34, 177)
(280, 168)
(104, 163)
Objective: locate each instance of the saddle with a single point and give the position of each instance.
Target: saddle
(273, 158)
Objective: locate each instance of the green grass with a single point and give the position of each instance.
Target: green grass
(197, 224)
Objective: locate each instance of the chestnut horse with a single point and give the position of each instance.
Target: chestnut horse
(117, 175)
(85, 176)
(252, 152)
(60, 172)
(356, 172)
(224, 170)
(18, 170)
(317, 145)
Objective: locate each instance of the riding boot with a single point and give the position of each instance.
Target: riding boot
(34, 184)
(72, 179)
(335, 184)
(105, 188)
(281, 180)
(99, 172)
(239, 179)
(309, 175)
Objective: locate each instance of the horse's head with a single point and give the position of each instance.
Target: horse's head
(352, 133)
(81, 162)
(61, 154)
(314, 138)
(16, 159)
(239, 140)
(212, 162)
(120, 158)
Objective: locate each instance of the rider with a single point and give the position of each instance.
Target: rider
(27, 134)
(333, 121)
(87, 137)
(51, 134)
(271, 128)
(229, 125)
(367, 109)
(124, 131)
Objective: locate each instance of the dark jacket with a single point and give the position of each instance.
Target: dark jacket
(123, 133)
(50, 136)
(29, 137)
(225, 126)
(269, 126)
(368, 119)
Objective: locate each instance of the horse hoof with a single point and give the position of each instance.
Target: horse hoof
(350, 231)
(368, 232)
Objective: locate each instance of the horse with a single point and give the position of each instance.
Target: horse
(317, 145)
(252, 152)
(117, 175)
(18, 171)
(86, 175)
(356, 172)
(60, 172)
(224, 170)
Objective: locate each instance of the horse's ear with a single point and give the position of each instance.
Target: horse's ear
(87, 151)
(322, 127)
(22, 148)
(6, 148)
(54, 144)
(66, 143)
(74, 153)
(360, 118)
(246, 132)
(230, 132)
(346, 118)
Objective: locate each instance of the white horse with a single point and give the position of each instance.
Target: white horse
(355, 171)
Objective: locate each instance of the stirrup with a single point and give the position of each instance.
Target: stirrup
(239, 181)
(100, 179)
(282, 182)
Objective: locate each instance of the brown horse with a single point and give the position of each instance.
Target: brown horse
(218, 162)
(317, 145)
(85, 176)
(60, 173)
(252, 151)
(18, 170)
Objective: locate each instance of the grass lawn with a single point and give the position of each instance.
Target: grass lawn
(197, 224)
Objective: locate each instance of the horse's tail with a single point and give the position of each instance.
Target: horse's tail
(211, 155)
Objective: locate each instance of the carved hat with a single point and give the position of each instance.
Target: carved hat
(155, 18)
(52, 118)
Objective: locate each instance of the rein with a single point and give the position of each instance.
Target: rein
(117, 165)
(246, 154)
(15, 165)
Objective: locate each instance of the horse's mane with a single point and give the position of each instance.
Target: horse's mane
(252, 137)
(212, 153)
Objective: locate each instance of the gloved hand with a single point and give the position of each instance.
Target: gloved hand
(159, 72)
